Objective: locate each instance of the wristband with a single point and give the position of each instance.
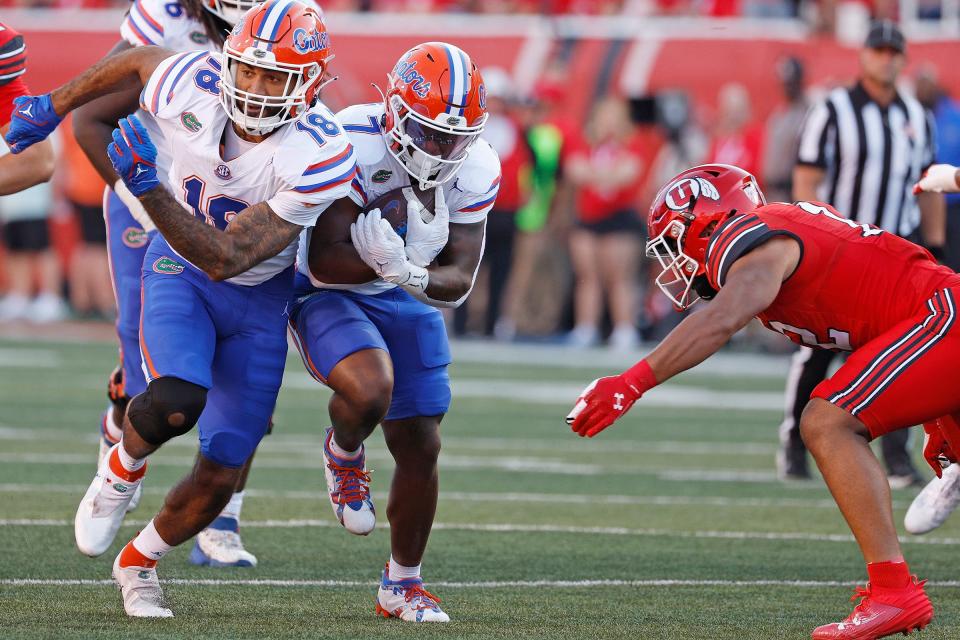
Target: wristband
(640, 376)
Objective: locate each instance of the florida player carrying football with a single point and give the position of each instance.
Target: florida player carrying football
(257, 159)
(36, 166)
(825, 282)
(380, 344)
(184, 25)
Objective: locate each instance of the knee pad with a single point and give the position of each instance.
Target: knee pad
(169, 407)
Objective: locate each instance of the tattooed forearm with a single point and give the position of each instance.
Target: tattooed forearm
(125, 70)
(254, 235)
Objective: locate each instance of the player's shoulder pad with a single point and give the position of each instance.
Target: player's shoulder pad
(361, 122)
(147, 21)
(13, 54)
(314, 159)
(732, 239)
(183, 82)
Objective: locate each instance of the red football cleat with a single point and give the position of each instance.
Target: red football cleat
(882, 612)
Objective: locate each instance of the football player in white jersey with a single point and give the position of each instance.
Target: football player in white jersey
(258, 158)
(380, 343)
(180, 25)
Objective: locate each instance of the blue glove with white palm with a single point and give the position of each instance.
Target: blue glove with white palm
(32, 120)
(134, 156)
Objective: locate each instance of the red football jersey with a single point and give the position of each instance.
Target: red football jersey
(13, 64)
(853, 282)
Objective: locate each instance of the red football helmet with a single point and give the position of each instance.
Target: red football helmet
(435, 110)
(684, 215)
(284, 36)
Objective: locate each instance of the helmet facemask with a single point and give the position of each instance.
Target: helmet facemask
(259, 114)
(431, 151)
(676, 280)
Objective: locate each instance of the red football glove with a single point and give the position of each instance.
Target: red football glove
(937, 449)
(606, 399)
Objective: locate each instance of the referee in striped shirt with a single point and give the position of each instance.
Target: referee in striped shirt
(861, 150)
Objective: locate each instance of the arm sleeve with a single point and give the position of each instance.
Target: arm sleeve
(321, 184)
(476, 206)
(737, 237)
(171, 74)
(817, 128)
(143, 24)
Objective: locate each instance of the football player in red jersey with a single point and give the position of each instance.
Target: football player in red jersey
(36, 165)
(823, 281)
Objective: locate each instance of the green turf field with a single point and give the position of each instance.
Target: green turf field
(670, 525)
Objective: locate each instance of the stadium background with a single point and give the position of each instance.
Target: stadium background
(672, 525)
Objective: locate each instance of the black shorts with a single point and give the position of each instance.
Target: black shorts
(26, 235)
(623, 221)
(92, 228)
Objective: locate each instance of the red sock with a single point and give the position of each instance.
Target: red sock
(130, 557)
(117, 468)
(889, 575)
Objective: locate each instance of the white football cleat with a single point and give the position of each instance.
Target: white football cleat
(219, 545)
(102, 509)
(935, 502)
(348, 485)
(408, 600)
(140, 590)
(106, 443)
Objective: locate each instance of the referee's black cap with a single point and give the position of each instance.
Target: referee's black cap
(885, 34)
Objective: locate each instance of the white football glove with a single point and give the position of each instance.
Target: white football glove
(425, 240)
(383, 250)
(136, 209)
(939, 178)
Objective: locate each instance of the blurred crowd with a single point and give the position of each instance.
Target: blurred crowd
(564, 254)
(820, 13)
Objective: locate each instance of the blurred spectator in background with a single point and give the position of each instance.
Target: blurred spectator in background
(783, 133)
(607, 171)
(737, 139)
(506, 136)
(537, 286)
(91, 292)
(946, 112)
(29, 258)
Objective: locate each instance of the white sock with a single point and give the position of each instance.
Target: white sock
(232, 510)
(340, 452)
(400, 572)
(150, 544)
(114, 431)
(127, 461)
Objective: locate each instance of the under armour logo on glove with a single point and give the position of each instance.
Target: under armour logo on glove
(134, 157)
(605, 400)
(32, 120)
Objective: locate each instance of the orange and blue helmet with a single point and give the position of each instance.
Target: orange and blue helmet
(283, 36)
(435, 110)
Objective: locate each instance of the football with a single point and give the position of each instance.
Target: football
(393, 207)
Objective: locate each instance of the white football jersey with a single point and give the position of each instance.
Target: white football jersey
(164, 23)
(298, 170)
(469, 195)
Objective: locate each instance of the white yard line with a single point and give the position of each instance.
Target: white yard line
(280, 442)
(514, 497)
(498, 584)
(537, 528)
